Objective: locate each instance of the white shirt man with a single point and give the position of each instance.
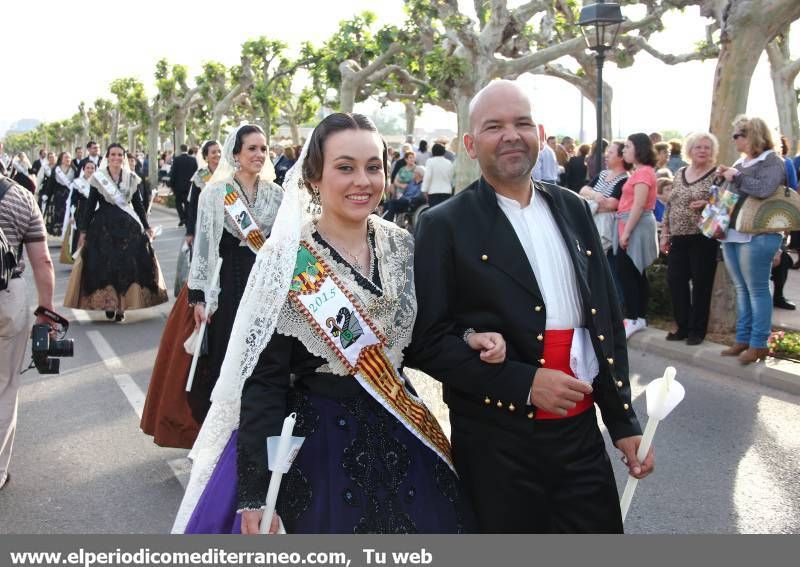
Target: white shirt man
(546, 168)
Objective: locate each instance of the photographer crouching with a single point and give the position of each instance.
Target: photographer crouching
(21, 224)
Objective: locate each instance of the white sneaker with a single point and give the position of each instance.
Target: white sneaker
(634, 325)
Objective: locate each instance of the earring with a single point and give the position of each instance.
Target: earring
(315, 195)
(236, 165)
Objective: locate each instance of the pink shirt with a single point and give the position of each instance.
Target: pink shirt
(643, 174)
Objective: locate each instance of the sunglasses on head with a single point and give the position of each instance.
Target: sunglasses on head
(738, 135)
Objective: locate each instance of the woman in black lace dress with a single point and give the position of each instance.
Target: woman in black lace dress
(118, 269)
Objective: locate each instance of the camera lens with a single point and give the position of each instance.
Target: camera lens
(61, 348)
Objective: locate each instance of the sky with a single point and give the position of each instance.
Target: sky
(72, 55)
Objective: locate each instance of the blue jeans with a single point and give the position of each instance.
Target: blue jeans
(749, 265)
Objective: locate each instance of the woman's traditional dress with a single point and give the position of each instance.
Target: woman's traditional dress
(171, 415)
(374, 459)
(117, 268)
(80, 188)
(56, 212)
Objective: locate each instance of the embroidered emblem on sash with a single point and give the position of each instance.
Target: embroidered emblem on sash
(240, 215)
(332, 312)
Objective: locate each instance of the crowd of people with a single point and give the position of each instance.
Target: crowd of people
(300, 300)
(647, 203)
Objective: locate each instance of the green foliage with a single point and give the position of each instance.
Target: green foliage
(660, 300)
(131, 99)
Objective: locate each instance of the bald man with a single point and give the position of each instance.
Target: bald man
(523, 258)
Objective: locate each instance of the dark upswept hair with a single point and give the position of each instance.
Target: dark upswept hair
(620, 145)
(437, 150)
(61, 157)
(207, 147)
(331, 124)
(246, 130)
(643, 151)
(115, 145)
(423, 146)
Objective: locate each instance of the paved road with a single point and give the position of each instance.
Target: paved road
(727, 459)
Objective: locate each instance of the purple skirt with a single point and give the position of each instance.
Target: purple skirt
(359, 471)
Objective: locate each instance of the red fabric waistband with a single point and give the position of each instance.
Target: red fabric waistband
(557, 346)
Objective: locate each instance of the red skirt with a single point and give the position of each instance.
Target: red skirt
(167, 415)
(557, 347)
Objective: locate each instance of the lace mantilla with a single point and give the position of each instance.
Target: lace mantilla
(393, 312)
(211, 221)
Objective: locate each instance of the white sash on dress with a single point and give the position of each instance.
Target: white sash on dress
(113, 194)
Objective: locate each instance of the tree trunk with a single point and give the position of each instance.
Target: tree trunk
(347, 93)
(467, 169)
(84, 137)
(411, 117)
(115, 119)
(132, 130)
(152, 149)
(783, 88)
(181, 117)
(295, 128)
(746, 29)
(722, 314)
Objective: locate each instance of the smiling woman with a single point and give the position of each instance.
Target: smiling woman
(336, 298)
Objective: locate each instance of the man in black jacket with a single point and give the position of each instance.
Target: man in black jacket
(94, 156)
(180, 179)
(524, 259)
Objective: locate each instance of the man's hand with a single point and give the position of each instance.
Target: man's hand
(251, 522)
(491, 345)
(557, 392)
(628, 446)
(151, 234)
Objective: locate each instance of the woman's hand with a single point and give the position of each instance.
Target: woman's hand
(200, 315)
(698, 205)
(190, 239)
(727, 172)
(623, 240)
(492, 346)
(251, 522)
(151, 234)
(81, 240)
(664, 243)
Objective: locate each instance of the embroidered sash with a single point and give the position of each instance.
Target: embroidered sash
(333, 313)
(201, 177)
(113, 194)
(241, 217)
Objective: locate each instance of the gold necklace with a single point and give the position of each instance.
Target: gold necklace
(347, 253)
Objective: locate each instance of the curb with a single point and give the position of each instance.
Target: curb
(776, 373)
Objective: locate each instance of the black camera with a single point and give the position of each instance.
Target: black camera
(44, 347)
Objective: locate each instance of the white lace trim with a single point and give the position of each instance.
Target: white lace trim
(211, 221)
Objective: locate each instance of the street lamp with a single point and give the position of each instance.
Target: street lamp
(600, 25)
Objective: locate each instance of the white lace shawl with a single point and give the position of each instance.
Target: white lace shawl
(394, 313)
(127, 186)
(211, 221)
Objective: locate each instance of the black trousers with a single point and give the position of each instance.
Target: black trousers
(548, 476)
(780, 274)
(181, 203)
(691, 258)
(437, 198)
(635, 287)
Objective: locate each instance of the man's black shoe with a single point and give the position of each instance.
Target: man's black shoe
(782, 303)
(694, 341)
(181, 223)
(677, 336)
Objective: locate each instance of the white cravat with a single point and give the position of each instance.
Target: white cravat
(549, 258)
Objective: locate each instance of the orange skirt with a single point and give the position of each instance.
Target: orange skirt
(167, 415)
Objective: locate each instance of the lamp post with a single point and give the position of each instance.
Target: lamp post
(600, 25)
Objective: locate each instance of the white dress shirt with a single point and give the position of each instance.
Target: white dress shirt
(438, 177)
(549, 258)
(546, 168)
